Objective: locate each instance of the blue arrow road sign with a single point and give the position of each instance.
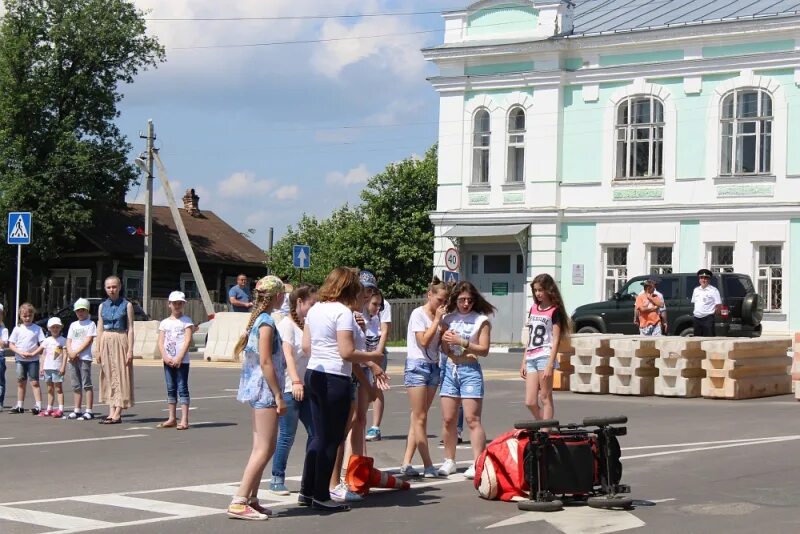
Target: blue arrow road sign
(19, 228)
(302, 256)
(450, 277)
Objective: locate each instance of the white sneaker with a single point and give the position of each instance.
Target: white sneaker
(469, 474)
(408, 471)
(342, 494)
(448, 468)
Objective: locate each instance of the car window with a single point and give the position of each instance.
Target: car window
(737, 286)
(669, 287)
(692, 282)
(632, 288)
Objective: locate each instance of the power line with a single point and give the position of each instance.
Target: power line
(295, 17)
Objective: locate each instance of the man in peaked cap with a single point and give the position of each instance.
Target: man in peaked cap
(707, 301)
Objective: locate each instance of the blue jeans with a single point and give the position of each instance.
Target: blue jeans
(2, 379)
(177, 383)
(287, 429)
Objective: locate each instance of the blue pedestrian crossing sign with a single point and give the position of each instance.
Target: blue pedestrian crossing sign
(302, 256)
(19, 228)
(450, 277)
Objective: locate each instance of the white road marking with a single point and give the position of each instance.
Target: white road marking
(148, 505)
(579, 520)
(202, 423)
(193, 399)
(60, 442)
(5, 438)
(704, 443)
(715, 447)
(190, 408)
(46, 519)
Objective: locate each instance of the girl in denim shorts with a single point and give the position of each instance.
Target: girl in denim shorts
(422, 374)
(466, 337)
(260, 385)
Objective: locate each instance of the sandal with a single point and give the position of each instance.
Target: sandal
(110, 421)
(166, 425)
(182, 427)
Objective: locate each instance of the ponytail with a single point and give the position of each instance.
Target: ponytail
(301, 292)
(261, 306)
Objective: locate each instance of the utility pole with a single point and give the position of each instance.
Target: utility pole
(148, 221)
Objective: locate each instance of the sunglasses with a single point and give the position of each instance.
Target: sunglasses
(464, 300)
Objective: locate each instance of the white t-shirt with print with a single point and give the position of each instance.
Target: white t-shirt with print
(465, 325)
(27, 339)
(324, 320)
(174, 335)
(419, 321)
(3, 340)
(705, 301)
(386, 312)
(78, 332)
(291, 334)
(373, 333)
(54, 351)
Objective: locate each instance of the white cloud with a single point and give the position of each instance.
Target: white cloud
(242, 185)
(286, 192)
(396, 111)
(356, 175)
(256, 219)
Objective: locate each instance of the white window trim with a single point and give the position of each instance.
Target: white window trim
(524, 145)
(473, 149)
(709, 252)
(640, 88)
(650, 263)
(470, 109)
(127, 275)
(604, 263)
(630, 126)
(779, 123)
(757, 265)
(736, 121)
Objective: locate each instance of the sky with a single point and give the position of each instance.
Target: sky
(266, 133)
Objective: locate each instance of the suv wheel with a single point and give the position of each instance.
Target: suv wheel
(687, 332)
(588, 330)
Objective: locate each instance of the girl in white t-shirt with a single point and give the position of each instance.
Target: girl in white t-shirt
(547, 323)
(422, 374)
(466, 338)
(174, 338)
(26, 342)
(298, 406)
(328, 337)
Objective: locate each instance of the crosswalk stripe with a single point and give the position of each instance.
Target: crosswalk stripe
(229, 490)
(47, 519)
(148, 505)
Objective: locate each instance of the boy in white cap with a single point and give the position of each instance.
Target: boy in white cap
(53, 364)
(174, 337)
(79, 352)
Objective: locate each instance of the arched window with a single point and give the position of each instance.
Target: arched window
(640, 138)
(746, 132)
(480, 147)
(516, 145)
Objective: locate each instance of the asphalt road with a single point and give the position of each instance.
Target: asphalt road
(695, 466)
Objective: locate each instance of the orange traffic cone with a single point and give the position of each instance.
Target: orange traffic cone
(361, 476)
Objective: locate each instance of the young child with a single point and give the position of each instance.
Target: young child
(260, 385)
(25, 340)
(3, 345)
(548, 323)
(80, 337)
(174, 337)
(53, 364)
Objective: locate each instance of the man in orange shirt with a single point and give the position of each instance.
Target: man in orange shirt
(647, 306)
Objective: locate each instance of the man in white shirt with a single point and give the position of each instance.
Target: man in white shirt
(706, 300)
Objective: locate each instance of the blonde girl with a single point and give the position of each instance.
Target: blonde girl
(261, 385)
(548, 323)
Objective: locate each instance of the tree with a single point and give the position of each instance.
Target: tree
(62, 63)
(390, 233)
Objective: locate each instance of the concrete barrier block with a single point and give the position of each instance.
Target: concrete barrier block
(631, 385)
(676, 386)
(736, 349)
(224, 333)
(580, 382)
(681, 347)
(745, 388)
(145, 340)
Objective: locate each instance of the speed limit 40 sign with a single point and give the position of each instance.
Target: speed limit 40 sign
(451, 259)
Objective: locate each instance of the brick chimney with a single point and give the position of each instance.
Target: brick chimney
(191, 203)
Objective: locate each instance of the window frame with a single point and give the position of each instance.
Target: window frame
(620, 275)
(515, 140)
(735, 135)
(718, 268)
(484, 149)
(655, 158)
(769, 278)
(187, 277)
(660, 268)
(133, 275)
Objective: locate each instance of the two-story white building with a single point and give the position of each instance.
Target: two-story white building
(596, 140)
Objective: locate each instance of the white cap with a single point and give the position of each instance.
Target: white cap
(177, 296)
(1, 307)
(54, 321)
(81, 304)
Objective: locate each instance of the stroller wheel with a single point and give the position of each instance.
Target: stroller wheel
(540, 506)
(609, 502)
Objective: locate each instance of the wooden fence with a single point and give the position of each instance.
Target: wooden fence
(159, 309)
(401, 311)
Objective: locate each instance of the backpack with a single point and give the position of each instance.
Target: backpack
(500, 469)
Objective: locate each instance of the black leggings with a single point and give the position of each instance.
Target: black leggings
(704, 326)
(330, 397)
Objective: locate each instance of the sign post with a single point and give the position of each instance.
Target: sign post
(19, 233)
(301, 258)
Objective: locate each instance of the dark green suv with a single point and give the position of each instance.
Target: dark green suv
(739, 316)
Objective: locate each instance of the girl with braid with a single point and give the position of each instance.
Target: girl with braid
(298, 406)
(261, 385)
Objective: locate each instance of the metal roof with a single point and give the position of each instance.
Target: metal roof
(611, 16)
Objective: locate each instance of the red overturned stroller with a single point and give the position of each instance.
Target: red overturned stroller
(577, 462)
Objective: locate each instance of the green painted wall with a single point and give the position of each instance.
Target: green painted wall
(502, 19)
(500, 96)
(748, 48)
(583, 133)
(499, 68)
(641, 57)
(578, 246)
(794, 264)
(690, 255)
(573, 63)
